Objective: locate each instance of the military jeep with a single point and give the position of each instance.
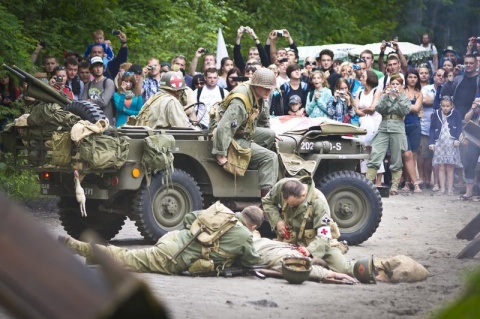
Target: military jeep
(197, 181)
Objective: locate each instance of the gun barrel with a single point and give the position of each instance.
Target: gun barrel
(20, 76)
(38, 89)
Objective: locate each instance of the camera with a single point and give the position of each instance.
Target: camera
(393, 91)
(461, 67)
(42, 43)
(245, 29)
(115, 32)
(59, 78)
(203, 51)
(341, 93)
(240, 78)
(475, 39)
(151, 67)
(356, 67)
(388, 44)
(279, 33)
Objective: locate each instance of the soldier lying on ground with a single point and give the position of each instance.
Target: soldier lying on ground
(176, 252)
(272, 252)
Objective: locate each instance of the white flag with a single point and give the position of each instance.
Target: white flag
(221, 48)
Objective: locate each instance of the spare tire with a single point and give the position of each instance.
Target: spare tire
(88, 111)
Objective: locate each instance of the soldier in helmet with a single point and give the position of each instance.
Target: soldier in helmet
(163, 109)
(300, 215)
(248, 125)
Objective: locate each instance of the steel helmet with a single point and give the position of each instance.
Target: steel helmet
(265, 78)
(296, 269)
(365, 271)
(172, 81)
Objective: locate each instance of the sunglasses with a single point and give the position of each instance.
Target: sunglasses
(310, 63)
(447, 98)
(61, 67)
(127, 73)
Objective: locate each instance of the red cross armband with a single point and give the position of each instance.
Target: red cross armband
(324, 231)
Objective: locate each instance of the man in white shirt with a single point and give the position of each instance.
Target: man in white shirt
(210, 94)
(428, 45)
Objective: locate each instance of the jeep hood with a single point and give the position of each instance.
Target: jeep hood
(301, 125)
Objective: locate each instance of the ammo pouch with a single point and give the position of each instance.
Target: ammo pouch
(295, 166)
(201, 266)
(238, 159)
(102, 151)
(61, 149)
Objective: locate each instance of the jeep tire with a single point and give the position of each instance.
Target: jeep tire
(107, 225)
(87, 111)
(355, 205)
(162, 206)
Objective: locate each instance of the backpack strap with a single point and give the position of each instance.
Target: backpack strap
(222, 93)
(385, 78)
(199, 92)
(308, 213)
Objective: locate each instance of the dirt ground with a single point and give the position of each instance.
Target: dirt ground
(420, 226)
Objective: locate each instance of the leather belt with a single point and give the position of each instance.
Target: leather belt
(393, 117)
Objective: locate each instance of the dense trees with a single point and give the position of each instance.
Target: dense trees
(164, 28)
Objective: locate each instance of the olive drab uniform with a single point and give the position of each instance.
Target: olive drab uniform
(236, 242)
(162, 110)
(315, 233)
(272, 252)
(237, 123)
(391, 135)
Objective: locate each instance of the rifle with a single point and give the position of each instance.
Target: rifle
(231, 272)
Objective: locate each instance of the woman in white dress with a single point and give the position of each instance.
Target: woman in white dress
(369, 118)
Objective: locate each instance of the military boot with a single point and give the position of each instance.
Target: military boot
(77, 246)
(396, 176)
(371, 174)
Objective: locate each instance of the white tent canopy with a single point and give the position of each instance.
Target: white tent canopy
(411, 51)
(340, 51)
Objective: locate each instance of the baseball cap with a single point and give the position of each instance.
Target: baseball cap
(136, 69)
(294, 99)
(96, 60)
(449, 49)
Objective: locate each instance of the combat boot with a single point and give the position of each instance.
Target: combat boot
(76, 246)
(371, 174)
(396, 176)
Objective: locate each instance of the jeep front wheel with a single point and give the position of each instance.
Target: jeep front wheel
(355, 205)
(161, 207)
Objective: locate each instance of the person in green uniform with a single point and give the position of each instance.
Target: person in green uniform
(236, 242)
(272, 252)
(300, 215)
(248, 125)
(393, 105)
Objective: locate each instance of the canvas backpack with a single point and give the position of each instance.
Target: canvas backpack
(157, 154)
(102, 151)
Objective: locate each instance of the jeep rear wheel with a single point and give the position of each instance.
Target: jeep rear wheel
(107, 225)
(355, 204)
(87, 111)
(161, 207)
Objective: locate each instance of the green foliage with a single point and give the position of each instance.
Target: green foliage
(468, 305)
(18, 184)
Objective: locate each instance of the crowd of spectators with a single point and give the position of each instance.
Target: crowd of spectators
(440, 91)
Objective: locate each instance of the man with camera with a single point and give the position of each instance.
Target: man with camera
(151, 82)
(209, 61)
(258, 52)
(466, 86)
(271, 45)
(398, 53)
